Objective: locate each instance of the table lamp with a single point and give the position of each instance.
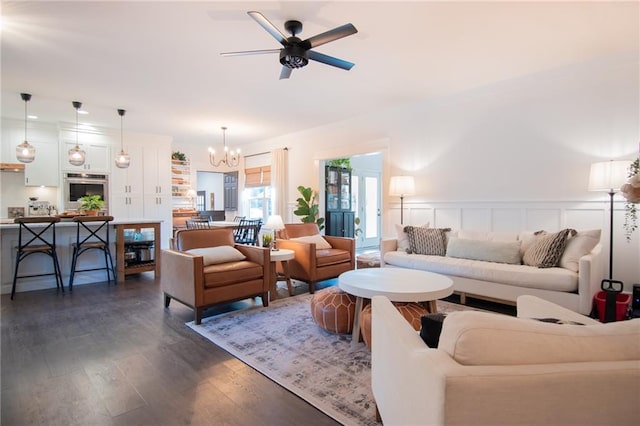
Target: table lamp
(275, 223)
(609, 176)
(399, 186)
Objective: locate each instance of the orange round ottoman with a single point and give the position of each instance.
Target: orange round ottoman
(333, 310)
(411, 311)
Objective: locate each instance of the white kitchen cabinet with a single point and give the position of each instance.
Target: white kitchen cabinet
(159, 207)
(129, 180)
(97, 157)
(43, 170)
(157, 170)
(126, 206)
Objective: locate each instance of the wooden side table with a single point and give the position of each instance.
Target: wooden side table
(283, 256)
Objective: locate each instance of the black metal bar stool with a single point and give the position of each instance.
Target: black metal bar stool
(33, 237)
(92, 239)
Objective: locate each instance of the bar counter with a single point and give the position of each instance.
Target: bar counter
(65, 237)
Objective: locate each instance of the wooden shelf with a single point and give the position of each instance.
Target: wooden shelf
(122, 270)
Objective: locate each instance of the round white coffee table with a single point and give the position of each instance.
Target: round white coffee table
(283, 256)
(397, 284)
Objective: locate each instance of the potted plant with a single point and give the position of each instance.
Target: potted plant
(631, 191)
(308, 208)
(267, 239)
(178, 156)
(91, 204)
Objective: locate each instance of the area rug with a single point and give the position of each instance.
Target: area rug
(283, 343)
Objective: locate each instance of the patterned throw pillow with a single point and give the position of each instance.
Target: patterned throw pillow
(547, 249)
(427, 240)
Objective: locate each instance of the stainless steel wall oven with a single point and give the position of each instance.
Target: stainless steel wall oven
(77, 185)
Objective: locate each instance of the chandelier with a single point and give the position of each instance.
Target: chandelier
(229, 158)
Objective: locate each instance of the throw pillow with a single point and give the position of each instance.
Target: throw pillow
(321, 243)
(487, 250)
(546, 250)
(403, 238)
(430, 241)
(217, 255)
(577, 246)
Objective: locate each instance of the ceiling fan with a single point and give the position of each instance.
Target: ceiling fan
(295, 52)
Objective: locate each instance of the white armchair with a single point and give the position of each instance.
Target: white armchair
(476, 377)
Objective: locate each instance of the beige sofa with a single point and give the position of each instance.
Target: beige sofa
(572, 287)
(491, 369)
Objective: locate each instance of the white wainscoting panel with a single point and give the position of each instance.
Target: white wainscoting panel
(519, 216)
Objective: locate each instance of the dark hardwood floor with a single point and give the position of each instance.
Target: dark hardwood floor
(112, 355)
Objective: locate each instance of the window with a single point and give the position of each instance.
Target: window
(258, 199)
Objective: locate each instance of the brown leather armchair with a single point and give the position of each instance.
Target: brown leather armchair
(187, 278)
(311, 265)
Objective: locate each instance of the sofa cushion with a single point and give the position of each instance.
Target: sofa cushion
(431, 241)
(319, 241)
(332, 256)
(481, 338)
(224, 274)
(556, 279)
(547, 249)
(577, 246)
(217, 255)
(487, 250)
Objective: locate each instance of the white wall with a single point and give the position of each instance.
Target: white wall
(527, 142)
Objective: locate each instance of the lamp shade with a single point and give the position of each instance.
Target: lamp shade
(608, 176)
(399, 186)
(274, 222)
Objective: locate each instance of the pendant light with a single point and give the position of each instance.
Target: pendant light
(122, 159)
(76, 155)
(25, 152)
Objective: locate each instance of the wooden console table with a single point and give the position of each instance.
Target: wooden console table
(130, 237)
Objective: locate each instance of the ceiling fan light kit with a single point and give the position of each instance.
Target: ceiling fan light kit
(295, 52)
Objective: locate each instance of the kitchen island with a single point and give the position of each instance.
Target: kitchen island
(138, 236)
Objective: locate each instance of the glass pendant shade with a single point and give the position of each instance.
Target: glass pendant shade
(25, 152)
(122, 159)
(76, 156)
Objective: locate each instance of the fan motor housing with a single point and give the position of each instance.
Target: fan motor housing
(294, 56)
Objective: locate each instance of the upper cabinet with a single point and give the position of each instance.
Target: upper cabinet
(44, 170)
(97, 157)
(157, 166)
(128, 181)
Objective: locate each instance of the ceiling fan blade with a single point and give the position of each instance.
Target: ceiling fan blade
(250, 52)
(271, 29)
(330, 60)
(285, 73)
(331, 35)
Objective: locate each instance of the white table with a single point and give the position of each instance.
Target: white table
(283, 256)
(397, 284)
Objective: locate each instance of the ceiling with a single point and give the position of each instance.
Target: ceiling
(161, 60)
